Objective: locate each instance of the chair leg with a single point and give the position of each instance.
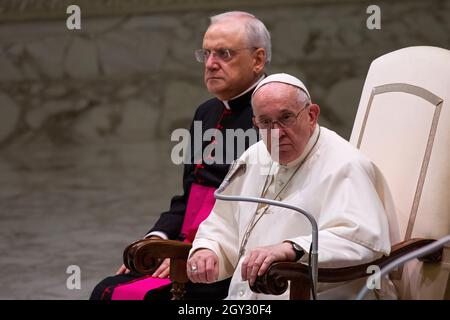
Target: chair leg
(177, 291)
(447, 289)
(179, 277)
(300, 289)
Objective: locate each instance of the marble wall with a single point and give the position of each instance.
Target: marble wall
(86, 115)
(133, 77)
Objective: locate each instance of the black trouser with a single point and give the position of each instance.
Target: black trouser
(194, 291)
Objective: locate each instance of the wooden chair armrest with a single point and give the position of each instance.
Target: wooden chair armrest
(275, 280)
(144, 255)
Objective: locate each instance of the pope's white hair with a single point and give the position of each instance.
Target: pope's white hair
(303, 98)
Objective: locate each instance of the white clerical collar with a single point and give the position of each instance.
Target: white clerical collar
(225, 102)
(311, 143)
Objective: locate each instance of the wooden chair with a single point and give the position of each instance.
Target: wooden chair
(403, 126)
(144, 256)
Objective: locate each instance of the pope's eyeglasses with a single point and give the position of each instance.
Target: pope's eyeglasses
(287, 120)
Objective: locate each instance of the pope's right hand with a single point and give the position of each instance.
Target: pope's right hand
(203, 266)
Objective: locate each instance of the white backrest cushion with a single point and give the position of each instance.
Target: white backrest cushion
(403, 125)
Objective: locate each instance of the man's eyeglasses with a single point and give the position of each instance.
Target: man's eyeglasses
(286, 120)
(202, 55)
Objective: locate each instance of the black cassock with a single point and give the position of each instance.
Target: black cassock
(213, 114)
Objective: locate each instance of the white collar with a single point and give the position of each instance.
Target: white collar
(225, 102)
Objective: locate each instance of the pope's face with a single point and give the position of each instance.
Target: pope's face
(274, 101)
(227, 79)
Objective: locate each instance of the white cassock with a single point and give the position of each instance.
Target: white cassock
(334, 182)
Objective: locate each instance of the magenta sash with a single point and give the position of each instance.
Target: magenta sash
(200, 203)
(136, 290)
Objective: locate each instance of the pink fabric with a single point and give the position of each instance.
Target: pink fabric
(136, 290)
(200, 203)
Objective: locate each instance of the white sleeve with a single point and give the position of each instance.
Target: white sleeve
(219, 233)
(160, 234)
(353, 227)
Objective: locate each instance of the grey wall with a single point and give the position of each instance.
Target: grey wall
(133, 77)
(86, 116)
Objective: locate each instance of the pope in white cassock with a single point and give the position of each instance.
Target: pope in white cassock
(300, 163)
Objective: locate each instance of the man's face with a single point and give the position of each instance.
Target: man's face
(274, 101)
(227, 79)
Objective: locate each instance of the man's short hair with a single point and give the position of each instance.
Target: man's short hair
(257, 34)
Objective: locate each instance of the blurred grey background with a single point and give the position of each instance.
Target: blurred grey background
(86, 115)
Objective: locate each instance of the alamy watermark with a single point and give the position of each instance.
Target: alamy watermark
(74, 280)
(73, 22)
(373, 281)
(373, 21)
(221, 148)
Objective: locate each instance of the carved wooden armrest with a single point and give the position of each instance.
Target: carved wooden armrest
(275, 280)
(145, 255)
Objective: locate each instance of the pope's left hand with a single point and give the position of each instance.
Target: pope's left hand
(259, 259)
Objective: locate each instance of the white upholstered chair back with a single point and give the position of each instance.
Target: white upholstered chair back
(403, 126)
